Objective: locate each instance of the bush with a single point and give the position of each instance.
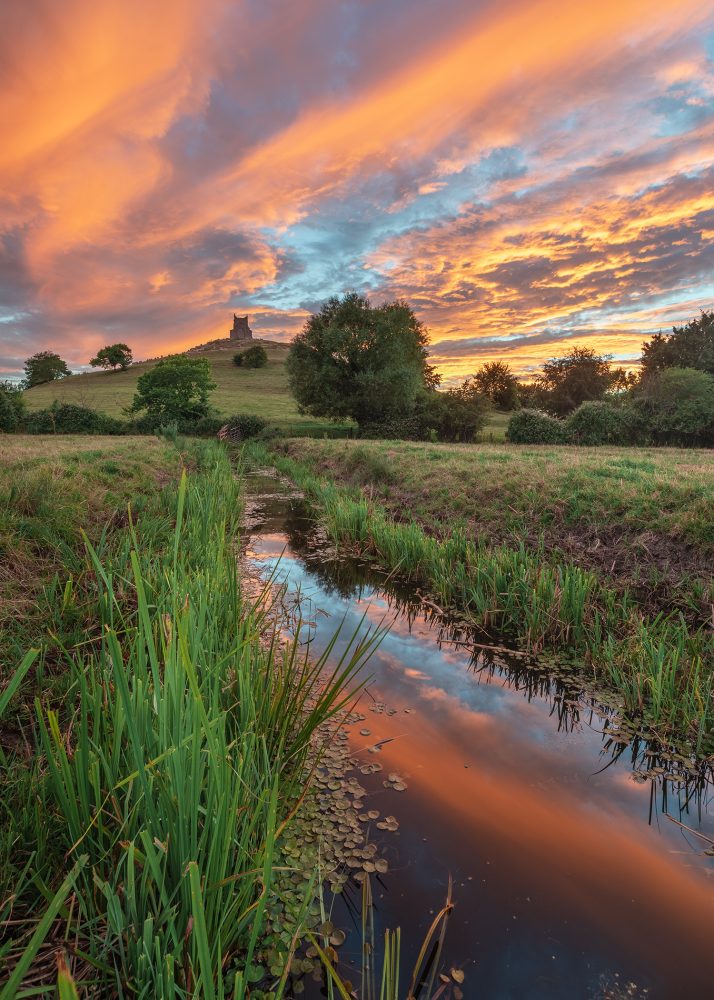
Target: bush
(597, 423)
(394, 429)
(241, 426)
(12, 408)
(455, 415)
(68, 418)
(254, 357)
(677, 405)
(534, 427)
(205, 427)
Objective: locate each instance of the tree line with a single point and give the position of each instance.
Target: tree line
(356, 361)
(368, 363)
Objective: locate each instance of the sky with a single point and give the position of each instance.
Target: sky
(530, 175)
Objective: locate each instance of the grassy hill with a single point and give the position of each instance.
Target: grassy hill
(262, 391)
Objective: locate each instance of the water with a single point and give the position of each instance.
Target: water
(569, 875)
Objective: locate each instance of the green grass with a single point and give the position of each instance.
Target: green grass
(495, 429)
(51, 491)
(161, 782)
(661, 665)
(641, 520)
(261, 391)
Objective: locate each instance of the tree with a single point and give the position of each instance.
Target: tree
(113, 356)
(677, 405)
(575, 378)
(12, 406)
(255, 357)
(496, 380)
(356, 360)
(688, 346)
(45, 366)
(457, 414)
(176, 388)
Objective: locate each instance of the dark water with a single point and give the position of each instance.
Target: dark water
(568, 872)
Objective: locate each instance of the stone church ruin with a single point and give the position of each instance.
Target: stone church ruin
(240, 329)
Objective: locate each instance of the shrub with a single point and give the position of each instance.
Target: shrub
(678, 406)
(12, 407)
(205, 427)
(241, 426)
(68, 418)
(394, 429)
(534, 427)
(255, 357)
(455, 415)
(597, 423)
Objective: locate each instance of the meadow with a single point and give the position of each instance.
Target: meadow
(603, 554)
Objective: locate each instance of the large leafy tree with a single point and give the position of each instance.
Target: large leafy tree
(353, 359)
(564, 383)
(45, 366)
(113, 356)
(498, 382)
(688, 346)
(176, 388)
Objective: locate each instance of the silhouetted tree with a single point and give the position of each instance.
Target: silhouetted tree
(688, 346)
(496, 380)
(575, 378)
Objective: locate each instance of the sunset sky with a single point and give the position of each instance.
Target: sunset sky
(529, 174)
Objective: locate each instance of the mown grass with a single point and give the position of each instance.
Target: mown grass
(660, 666)
(143, 808)
(260, 391)
(641, 520)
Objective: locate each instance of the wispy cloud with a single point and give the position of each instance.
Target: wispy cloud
(527, 174)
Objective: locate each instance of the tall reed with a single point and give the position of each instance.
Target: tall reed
(182, 764)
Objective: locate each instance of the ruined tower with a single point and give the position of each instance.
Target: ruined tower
(240, 329)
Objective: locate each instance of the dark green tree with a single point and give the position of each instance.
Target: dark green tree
(496, 381)
(12, 406)
(564, 383)
(176, 388)
(677, 405)
(688, 346)
(255, 357)
(45, 366)
(113, 356)
(458, 414)
(353, 359)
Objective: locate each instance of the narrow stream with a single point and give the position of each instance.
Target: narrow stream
(570, 878)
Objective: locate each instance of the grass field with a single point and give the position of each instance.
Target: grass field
(261, 391)
(606, 555)
(642, 518)
(51, 490)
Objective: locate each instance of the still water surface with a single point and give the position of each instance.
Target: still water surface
(568, 872)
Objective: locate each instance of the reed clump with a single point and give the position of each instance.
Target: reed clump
(159, 799)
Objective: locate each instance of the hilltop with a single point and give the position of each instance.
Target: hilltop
(262, 391)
